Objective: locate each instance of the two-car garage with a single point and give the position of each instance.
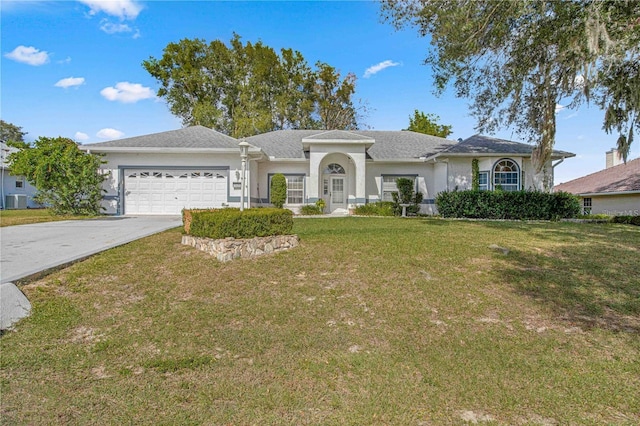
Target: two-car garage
(166, 191)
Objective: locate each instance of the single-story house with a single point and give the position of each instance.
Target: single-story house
(614, 191)
(196, 167)
(17, 193)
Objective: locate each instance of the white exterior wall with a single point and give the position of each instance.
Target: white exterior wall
(614, 205)
(424, 179)
(261, 184)
(116, 161)
(459, 172)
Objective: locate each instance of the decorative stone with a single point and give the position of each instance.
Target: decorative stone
(230, 248)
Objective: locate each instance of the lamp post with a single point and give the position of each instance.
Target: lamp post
(244, 153)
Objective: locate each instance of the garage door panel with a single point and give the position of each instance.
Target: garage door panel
(169, 191)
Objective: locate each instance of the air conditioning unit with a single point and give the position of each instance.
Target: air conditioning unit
(15, 201)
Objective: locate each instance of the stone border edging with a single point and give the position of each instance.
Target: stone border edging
(230, 248)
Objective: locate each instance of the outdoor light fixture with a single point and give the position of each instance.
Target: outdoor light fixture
(244, 153)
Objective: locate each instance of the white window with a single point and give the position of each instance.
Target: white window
(506, 175)
(19, 182)
(295, 189)
(389, 185)
(586, 206)
(483, 181)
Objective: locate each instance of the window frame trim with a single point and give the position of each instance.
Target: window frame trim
(517, 173)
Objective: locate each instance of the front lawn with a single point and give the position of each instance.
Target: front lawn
(370, 321)
(23, 217)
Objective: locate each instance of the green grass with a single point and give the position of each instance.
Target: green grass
(23, 217)
(369, 321)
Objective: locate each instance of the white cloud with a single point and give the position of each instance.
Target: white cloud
(70, 82)
(79, 136)
(374, 69)
(28, 55)
(65, 61)
(123, 9)
(127, 92)
(559, 108)
(111, 28)
(109, 133)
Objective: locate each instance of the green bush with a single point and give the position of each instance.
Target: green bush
(379, 208)
(231, 222)
(629, 220)
(278, 190)
(406, 195)
(310, 209)
(595, 216)
(518, 205)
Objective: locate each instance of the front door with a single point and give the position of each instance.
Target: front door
(337, 197)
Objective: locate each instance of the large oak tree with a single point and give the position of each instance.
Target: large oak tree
(516, 60)
(246, 89)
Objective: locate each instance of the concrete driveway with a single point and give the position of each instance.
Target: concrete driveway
(29, 249)
(32, 249)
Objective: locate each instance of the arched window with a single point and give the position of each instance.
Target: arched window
(334, 169)
(506, 175)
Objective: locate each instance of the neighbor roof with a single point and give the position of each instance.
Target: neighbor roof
(478, 144)
(187, 137)
(620, 178)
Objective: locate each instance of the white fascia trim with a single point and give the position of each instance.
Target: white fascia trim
(157, 150)
(397, 160)
(604, 194)
(287, 160)
(495, 154)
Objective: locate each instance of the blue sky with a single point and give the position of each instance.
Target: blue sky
(73, 68)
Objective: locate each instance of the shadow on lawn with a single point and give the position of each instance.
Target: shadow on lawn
(590, 281)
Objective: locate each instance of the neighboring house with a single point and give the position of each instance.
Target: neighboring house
(16, 193)
(614, 191)
(197, 167)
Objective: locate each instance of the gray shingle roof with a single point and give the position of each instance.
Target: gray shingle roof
(620, 178)
(388, 144)
(288, 144)
(188, 137)
(478, 144)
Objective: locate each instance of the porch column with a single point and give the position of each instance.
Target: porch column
(359, 160)
(314, 180)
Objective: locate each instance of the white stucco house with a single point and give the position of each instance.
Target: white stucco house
(196, 167)
(16, 192)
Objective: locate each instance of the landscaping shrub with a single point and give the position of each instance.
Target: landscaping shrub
(519, 205)
(406, 195)
(310, 209)
(629, 220)
(278, 190)
(231, 222)
(379, 208)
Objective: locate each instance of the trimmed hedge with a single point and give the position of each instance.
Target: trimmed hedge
(231, 222)
(629, 220)
(518, 205)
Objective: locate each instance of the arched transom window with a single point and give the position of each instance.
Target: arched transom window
(506, 175)
(334, 169)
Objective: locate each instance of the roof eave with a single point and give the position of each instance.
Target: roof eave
(160, 150)
(595, 194)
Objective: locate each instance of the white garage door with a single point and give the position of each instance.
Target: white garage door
(169, 191)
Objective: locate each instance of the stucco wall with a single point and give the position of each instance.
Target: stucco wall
(615, 205)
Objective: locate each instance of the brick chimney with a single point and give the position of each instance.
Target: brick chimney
(613, 158)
